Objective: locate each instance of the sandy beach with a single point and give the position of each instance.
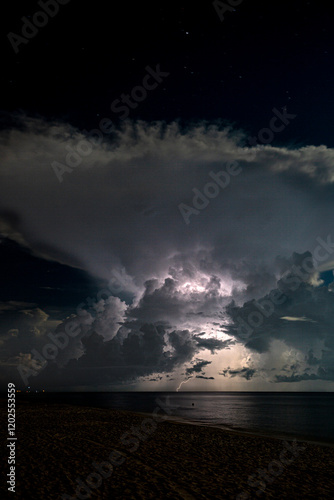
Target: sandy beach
(122, 455)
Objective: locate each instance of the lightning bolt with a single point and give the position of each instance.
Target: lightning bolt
(183, 382)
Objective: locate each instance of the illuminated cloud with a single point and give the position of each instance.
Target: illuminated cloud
(183, 286)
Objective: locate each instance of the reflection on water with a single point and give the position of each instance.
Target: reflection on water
(300, 414)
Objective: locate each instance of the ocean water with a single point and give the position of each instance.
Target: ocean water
(296, 414)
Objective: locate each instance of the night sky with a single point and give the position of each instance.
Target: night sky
(166, 196)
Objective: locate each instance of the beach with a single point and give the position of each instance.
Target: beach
(65, 451)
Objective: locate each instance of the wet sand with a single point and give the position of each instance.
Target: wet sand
(155, 459)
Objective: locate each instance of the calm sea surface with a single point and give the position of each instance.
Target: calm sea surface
(304, 415)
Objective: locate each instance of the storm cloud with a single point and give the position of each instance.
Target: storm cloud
(183, 287)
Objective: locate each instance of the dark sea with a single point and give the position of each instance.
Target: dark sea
(303, 415)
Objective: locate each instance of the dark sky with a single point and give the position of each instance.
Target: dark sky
(120, 238)
(264, 54)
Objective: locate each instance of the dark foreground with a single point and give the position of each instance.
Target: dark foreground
(122, 455)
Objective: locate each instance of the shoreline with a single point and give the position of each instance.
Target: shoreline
(61, 445)
(241, 431)
(181, 420)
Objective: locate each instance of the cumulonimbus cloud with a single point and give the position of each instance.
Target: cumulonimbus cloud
(119, 210)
